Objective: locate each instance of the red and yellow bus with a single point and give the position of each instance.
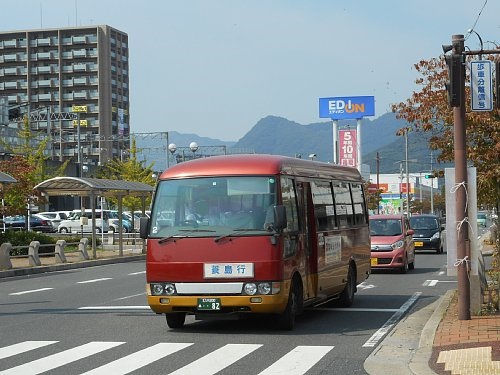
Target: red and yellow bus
(254, 234)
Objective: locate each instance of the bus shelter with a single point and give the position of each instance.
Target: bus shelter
(93, 188)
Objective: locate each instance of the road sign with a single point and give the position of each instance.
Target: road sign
(481, 85)
(79, 108)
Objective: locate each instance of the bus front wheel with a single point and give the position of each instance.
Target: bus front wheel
(175, 320)
(286, 320)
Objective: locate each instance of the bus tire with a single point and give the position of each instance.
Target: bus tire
(346, 298)
(286, 320)
(175, 320)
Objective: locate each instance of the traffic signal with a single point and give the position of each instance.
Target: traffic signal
(429, 176)
(453, 62)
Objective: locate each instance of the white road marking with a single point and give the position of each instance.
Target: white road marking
(29, 291)
(132, 296)
(217, 360)
(23, 347)
(377, 336)
(60, 359)
(114, 308)
(94, 280)
(136, 273)
(298, 361)
(430, 282)
(138, 359)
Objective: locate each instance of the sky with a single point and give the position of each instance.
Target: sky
(215, 68)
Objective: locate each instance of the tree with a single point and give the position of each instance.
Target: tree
(428, 110)
(130, 170)
(28, 165)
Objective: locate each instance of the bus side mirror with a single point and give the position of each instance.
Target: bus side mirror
(279, 218)
(143, 227)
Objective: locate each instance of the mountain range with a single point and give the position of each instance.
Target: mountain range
(278, 135)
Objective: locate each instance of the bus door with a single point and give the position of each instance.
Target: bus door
(307, 229)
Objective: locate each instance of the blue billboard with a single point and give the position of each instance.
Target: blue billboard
(346, 107)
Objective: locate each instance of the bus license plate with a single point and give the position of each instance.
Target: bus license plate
(212, 304)
(419, 243)
(374, 261)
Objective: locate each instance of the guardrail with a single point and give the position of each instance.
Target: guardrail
(33, 252)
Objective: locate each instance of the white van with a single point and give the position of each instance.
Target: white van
(76, 222)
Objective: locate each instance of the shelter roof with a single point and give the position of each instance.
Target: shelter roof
(81, 186)
(6, 178)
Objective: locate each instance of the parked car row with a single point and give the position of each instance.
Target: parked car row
(74, 221)
(36, 223)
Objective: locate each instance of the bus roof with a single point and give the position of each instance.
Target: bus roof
(258, 164)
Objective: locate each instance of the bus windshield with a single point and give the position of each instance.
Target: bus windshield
(214, 206)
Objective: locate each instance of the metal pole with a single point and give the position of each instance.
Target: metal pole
(358, 142)
(459, 136)
(432, 188)
(407, 175)
(335, 134)
(378, 183)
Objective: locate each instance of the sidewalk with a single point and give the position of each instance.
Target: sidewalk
(466, 347)
(432, 340)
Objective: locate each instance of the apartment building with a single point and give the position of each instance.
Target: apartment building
(50, 74)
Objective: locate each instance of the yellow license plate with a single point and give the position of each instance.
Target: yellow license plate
(374, 261)
(419, 243)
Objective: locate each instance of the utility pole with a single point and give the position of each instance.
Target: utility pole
(407, 175)
(456, 92)
(432, 188)
(378, 183)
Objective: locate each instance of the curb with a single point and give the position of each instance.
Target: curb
(69, 266)
(406, 350)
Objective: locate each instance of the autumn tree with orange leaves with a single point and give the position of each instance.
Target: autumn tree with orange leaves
(428, 110)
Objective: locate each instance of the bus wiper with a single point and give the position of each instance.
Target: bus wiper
(217, 239)
(182, 235)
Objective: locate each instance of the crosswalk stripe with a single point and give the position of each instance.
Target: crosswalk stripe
(217, 360)
(62, 358)
(139, 359)
(298, 361)
(23, 347)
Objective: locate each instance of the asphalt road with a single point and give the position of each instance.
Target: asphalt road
(96, 320)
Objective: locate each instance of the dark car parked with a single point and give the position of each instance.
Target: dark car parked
(37, 224)
(428, 232)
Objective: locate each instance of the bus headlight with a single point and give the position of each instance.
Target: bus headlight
(250, 289)
(159, 289)
(264, 288)
(169, 289)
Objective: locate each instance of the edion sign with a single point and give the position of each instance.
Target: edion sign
(352, 107)
(347, 147)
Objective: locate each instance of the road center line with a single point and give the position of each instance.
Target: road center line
(114, 308)
(29, 291)
(377, 336)
(94, 280)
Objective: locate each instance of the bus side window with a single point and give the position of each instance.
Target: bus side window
(343, 204)
(323, 205)
(289, 200)
(359, 204)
